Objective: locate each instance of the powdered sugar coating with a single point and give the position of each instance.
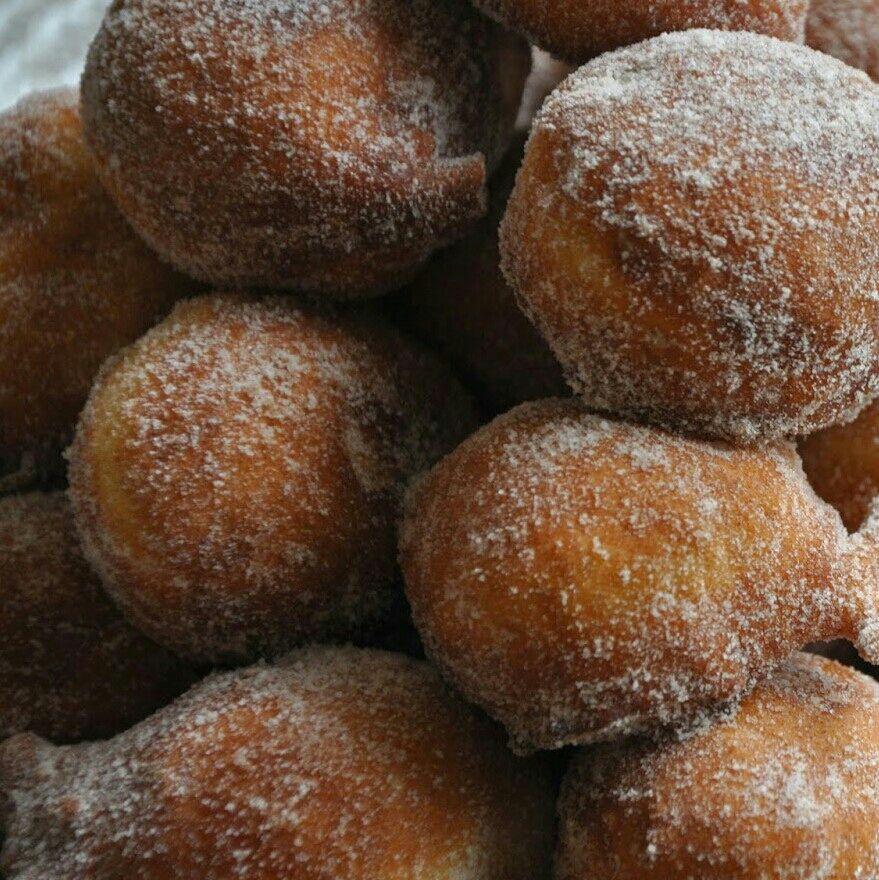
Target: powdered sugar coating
(848, 30)
(70, 667)
(583, 579)
(335, 763)
(76, 284)
(577, 30)
(693, 232)
(237, 473)
(320, 145)
(785, 788)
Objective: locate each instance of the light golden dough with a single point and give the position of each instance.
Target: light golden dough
(327, 146)
(578, 30)
(583, 579)
(71, 668)
(693, 232)
(76, 284)
(784, 788)
(238, 472)
(336, 763)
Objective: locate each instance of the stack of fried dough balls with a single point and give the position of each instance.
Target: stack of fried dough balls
(656, 273)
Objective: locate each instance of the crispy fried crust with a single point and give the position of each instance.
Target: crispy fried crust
(783, 788)
(76, 284)
(578, 30)
(693, 232)
(327, 146)
(583, 579)
(71, 668)
(336, 763)
(238, 472)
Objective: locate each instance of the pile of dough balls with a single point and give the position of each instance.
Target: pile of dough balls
(439, 440)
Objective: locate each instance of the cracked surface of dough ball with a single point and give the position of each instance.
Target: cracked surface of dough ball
(584, 580)
(848, 30)
(462, 304)
(327, 146)
(76, 283)
(238, 472)
(842, 463)
(335, 763)
(71, 667)
(692, 231)
(783, 788)
(578, 30)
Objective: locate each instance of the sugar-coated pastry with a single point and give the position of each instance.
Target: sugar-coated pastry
(336, 763)
(76, 284)
(71, 668)
(783, 788)
(583, 579)
(848, 30)
(842, 463)
(327, 146)
(693, 232)
(462, 304)
(577, 30)
(238, 472)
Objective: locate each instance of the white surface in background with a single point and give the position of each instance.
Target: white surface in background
(43, 43)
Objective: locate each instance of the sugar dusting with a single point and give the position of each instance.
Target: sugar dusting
(578, 31)
(333, 763)
(583, 579)
(325, 145)
(76, 283)
(266, 447)
(734, 180)
(785, 787)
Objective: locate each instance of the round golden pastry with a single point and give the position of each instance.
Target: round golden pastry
(583, 579)
(76, 284)
(848, 30)
(71, 668)
(237, 473)
(327, 146)
(842, 463)
(577, 30)
(337, 762)
(692, 231)
(781, 788)
(461, 304)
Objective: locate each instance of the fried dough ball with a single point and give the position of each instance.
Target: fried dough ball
(335, 763)
(76, 284)
(462, 305)
(848, 30)
(842, 464)
(577, 30)
(782, 788)
(237, 473)
(693, 231)
(327, 146)
(70, 667)
(583, 579)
